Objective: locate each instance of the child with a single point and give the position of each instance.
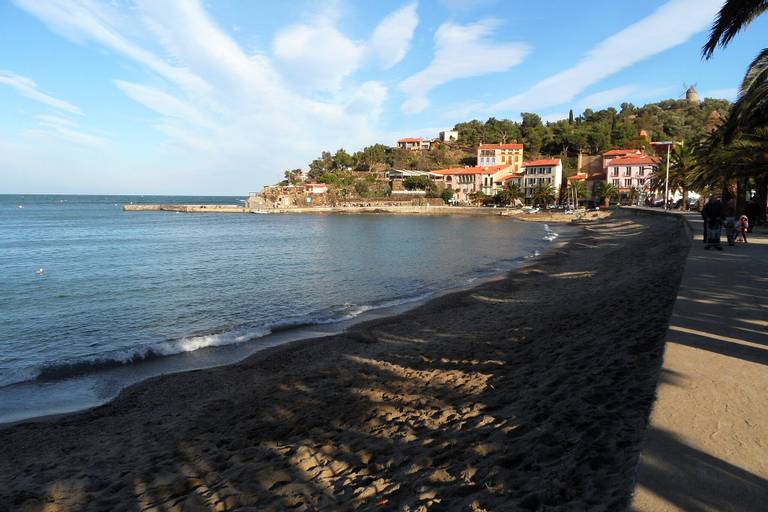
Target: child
(742, 228)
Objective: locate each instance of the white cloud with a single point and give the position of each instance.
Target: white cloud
(28, 88)
(224, 114)
(608, 97)
(670, 25)
(392, 38)
(317, 56)
(461, 51)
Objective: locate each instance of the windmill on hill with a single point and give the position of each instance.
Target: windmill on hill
(690, 93)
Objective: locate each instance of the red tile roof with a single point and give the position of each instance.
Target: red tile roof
(410, 139)
(547, 162)
(619, 152)
(493, 169)
(581, 176)
(501, 146)
(634, 160)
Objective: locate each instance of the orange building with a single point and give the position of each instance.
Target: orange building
(500, 154)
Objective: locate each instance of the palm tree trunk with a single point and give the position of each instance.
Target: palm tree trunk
(684, 204)
(761, 185)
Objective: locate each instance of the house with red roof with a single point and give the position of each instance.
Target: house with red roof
(465, 181)
(619, 153)
(500, 154)
(413, 143)
(547, 171)
(632, 172)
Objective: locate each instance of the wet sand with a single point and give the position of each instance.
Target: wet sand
(527, 393)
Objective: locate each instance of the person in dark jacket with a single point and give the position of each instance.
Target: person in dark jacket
(714, 217)
(752, 211)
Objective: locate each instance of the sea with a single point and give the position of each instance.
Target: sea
(94, 299)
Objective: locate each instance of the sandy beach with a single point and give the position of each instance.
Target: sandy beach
(531, 392)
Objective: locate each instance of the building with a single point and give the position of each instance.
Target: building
(315, 188)
(632, 172)
(413, 143)
(618, 153)
(397, 177)
(465, 181)
(449, 136)
(500, 154)
(507, 180)
(542, 172)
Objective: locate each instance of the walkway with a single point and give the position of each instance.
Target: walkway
(706, 447)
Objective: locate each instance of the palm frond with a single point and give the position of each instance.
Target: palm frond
(734, 16)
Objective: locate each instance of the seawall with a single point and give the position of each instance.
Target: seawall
(185, 208)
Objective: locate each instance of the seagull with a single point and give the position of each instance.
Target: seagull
(40, 271)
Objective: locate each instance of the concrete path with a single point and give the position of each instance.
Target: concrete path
(706, 448)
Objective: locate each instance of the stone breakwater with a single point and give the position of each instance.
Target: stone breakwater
(186, 208)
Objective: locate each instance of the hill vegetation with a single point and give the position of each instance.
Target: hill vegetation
(592, 132)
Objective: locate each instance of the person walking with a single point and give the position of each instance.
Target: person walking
(714, 216)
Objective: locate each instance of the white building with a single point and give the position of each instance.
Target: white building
(413, 143)
(449, 136)
(541, 172)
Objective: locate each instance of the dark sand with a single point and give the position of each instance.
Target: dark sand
(527, 393)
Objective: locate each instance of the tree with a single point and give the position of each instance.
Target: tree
(447, 195)
(417, 183)
(579, 189)
(543, 194)
(478, 197)
(751, 108)
(606, 191)
(570, 116)
(515, 192)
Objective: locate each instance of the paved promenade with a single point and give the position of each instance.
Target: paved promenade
(706, 447)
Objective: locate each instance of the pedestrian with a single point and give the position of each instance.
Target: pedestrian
(714, 217)
(704, 223)
(752, 211)
(742, 228)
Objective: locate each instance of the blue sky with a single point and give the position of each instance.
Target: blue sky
(220, 97)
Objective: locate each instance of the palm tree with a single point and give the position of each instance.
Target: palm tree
(579, 190)
(515, 192)
(683, 164)
(607, 191)
(751, 108)
(543, 194)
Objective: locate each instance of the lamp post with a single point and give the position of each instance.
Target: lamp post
(669, 144)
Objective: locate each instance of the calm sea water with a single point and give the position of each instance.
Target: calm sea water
(121, 293)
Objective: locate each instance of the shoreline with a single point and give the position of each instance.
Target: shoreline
(136, 373)
(467, 401)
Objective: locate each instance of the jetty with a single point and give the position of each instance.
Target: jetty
(186, 208)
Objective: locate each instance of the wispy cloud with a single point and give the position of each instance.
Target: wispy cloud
(461, 51)
(670, 25)
(28, 88)
(392, 38)
(223, 110)
(63, 129)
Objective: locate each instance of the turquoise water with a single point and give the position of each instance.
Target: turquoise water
(122, 292)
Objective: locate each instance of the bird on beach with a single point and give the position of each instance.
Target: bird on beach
(40, 271)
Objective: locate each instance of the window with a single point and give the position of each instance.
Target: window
(616, 183)
(642, 171)
(628, 183)
(627, 171)
(615, 171)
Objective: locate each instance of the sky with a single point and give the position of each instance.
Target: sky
(221, 97)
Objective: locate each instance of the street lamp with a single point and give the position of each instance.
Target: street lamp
(669, 144)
